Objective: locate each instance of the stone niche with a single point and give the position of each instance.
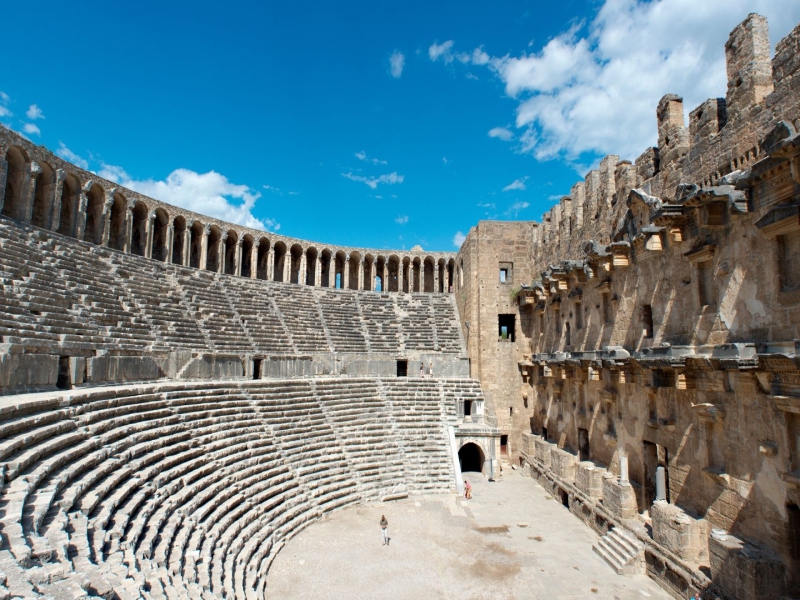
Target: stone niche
(679, 532)
(589, 479)
(743, 570)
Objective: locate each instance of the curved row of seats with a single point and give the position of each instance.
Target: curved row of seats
(59, 293)
(188, 490)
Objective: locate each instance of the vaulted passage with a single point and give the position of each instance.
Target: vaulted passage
(471, 458)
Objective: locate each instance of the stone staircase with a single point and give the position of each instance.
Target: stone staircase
(620, 549)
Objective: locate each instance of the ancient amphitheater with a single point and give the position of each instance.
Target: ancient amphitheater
(181, 396)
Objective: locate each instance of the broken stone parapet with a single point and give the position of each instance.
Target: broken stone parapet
(743, 570)
(563, 464)
(589, 479)
(679, 532)
(543, 451)
(619, 497)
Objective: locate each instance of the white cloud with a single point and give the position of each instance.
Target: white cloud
(206, 193)
(517, 184)
(515, 208)
(501, 133)
(401, 220)
(372, 182)
(375, 161)
(70, 156)
(486, 205)
(4, 100)
(31, 129)
(458, 239)
(594, 88)
(34, 112)
(445, 160)
(396, 63)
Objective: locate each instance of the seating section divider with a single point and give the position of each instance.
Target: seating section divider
(62, 295)
(190, 489)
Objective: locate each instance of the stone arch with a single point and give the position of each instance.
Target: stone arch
(212, 249)
(366, 266)
(178, 240)
(311, 266)
(380, 274)
(247, 256)
(339, 263)
(70, 190)
(417, 278)
(262, 258)
(296, 256)
(355, 263)
(427, 282)
(196, 244)
(392, 272)
(442, 267)
(160, 229)
(95, 201)
(45, 182)
(230, 252)
(280, 261)
(327, 269)
(16, 178)
(471, 457)
(116, 224)
(450, 271)
(139, 229)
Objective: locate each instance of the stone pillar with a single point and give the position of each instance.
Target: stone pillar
(623, 470)
(373, 272)
(30, 190)
(435, 278)
(400, 267)
(360, 275)
(148, 234)
(221, 254)
(80, 217)
(346, 275)
(170, 242)
(204, 246)
(254, 260)
(271, 264)
(661, 484)
(411, 270)
(237, 268)
(187, 242)
(318, 271)
(58, 189)
(287, 267)
(385, 277)
(129, 226)
(106, 221)
(3, 177)
(301, 271)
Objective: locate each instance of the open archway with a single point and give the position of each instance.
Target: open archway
(14, 205)
(471, 458)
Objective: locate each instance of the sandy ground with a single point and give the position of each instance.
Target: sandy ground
(512, 540)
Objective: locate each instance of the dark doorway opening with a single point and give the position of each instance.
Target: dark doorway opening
(583, 444)
(544, 433)
(564, 496)
(654, 456)
(257, 368)
(471, 458)
(793, 514)
(402, 368)
(467, 408)
(503, 445)
(63, 382)
(505, 327)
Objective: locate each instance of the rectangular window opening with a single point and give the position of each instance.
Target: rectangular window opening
(506, 325)
(606, 308)
(503, 275)
(467, 408)
(402, 368)
(256, 368)
(789, 261)
(705, 283)
(503, 445)
(578, 316)
(647, 321)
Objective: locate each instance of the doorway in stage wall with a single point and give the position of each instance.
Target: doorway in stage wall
(471, 458)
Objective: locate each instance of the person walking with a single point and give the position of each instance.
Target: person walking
(385, 530)
(467, 490)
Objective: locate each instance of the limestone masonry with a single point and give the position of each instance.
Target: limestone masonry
(180, 395)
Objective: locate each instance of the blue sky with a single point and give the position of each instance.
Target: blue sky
(367, 124)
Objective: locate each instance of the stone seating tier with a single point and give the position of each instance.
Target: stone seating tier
(62, 296)
(179, 489)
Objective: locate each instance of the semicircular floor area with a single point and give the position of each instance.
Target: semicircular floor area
(512, 540)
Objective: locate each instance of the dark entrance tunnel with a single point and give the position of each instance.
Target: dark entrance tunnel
(471, 458)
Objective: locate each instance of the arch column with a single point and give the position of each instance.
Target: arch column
(3, 178)
(30, 189)
(287, 266)
(129, 226)
(204, 247)
(187, 242)
(301, 270)
(148, 234)
(170, 238)
(360, 284)
(80, 218)
(59, 188)
(346, 274)
(107, 221)
(221, 252)
(435, 278)
(400, 268)
(373, 272)
(411, 270)
(318, 271)
(271, 264)
(254, 260)
(237, 268)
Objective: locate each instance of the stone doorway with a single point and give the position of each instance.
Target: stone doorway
(471, 458)
(654, 456)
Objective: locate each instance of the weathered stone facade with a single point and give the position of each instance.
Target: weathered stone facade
(657, 321)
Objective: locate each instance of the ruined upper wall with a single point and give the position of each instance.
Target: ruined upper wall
(724, 135)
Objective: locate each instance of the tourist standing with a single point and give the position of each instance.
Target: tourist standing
(385, 530)
(430, 370)
(422, 369)
(467, 490)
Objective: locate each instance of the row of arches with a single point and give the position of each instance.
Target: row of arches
(52, 199)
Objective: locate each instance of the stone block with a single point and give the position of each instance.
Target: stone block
(212, 366)
(679, 532)
(543, 451)
(529, 444)
(121, 368)
(745, 571)
(589, 479)
(618, 498)
(26, 372)
(563, 463)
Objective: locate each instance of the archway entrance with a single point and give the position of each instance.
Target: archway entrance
(471, 458)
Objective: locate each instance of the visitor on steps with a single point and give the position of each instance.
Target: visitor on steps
(467, 490)
(385, 530)
(430, 370)
(422, 369)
